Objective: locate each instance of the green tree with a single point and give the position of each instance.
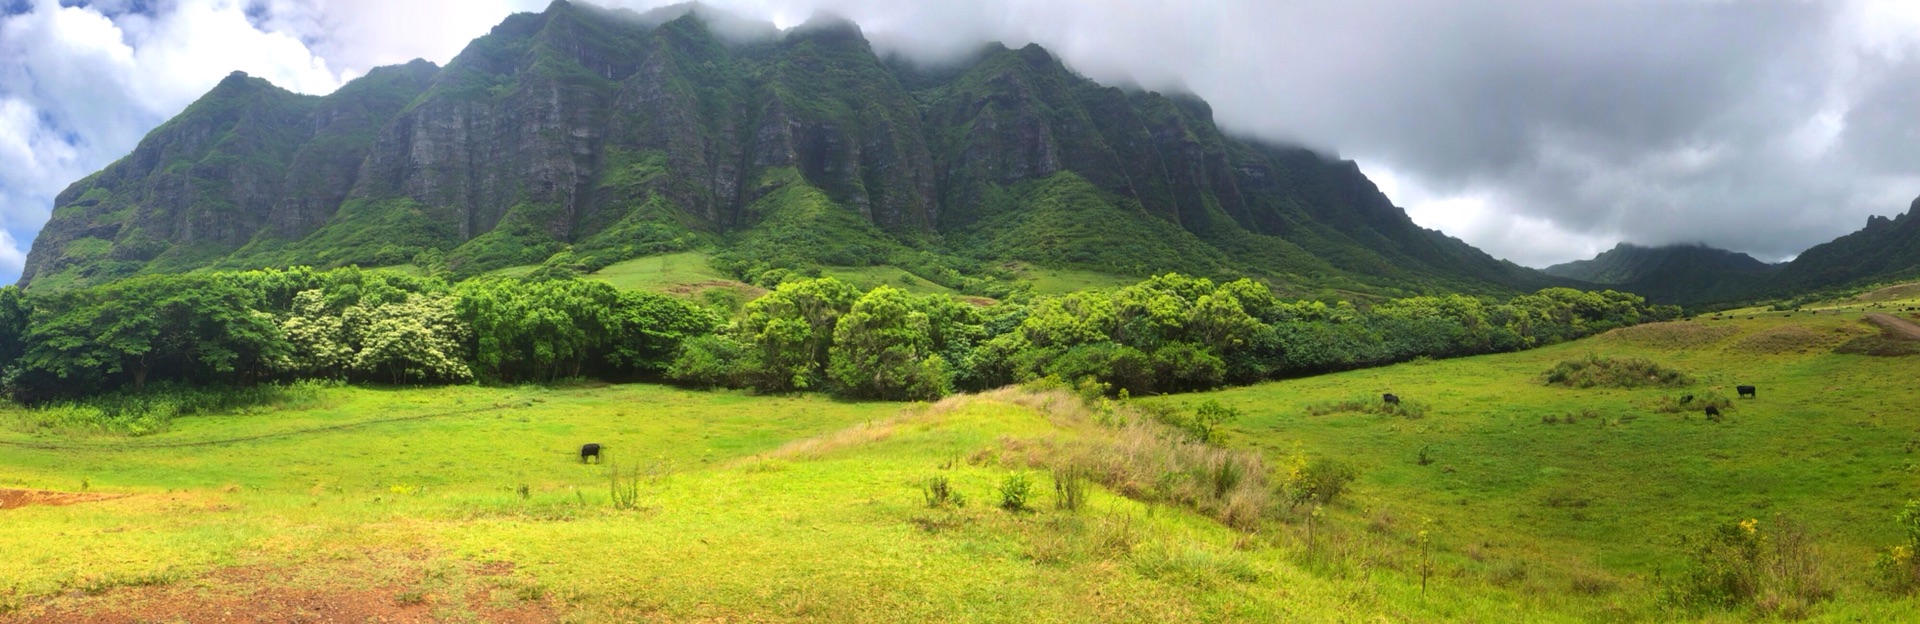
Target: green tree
(882, 348)
(791, 330)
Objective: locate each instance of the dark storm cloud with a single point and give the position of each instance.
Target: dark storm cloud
(1761, 126)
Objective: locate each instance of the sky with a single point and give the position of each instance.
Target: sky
(1541, 132)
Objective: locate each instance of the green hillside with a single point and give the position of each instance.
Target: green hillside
(1681, 274)
(607, 135)
(1503, 499)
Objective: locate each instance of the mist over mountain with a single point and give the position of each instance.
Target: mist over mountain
(608, 134)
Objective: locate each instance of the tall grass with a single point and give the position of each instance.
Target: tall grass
(138, 413)
(1128, 451)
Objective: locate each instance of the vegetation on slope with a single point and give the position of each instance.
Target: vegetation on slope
(453, 501)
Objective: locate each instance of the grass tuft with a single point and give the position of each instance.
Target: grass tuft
(1594, 371)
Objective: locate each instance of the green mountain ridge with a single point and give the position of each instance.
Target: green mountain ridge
(1672, 273)
(611, 135)
(1886, 250)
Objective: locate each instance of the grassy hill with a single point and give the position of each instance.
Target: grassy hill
(1532, 502)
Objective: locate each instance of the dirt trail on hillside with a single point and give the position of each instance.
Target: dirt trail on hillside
(1895, 325)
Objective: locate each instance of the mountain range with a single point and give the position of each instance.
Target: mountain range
(595, 135)
(1886, 250)
(608, 134)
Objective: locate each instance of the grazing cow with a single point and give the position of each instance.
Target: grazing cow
(1746, 392)
(1713, 413)
(1686, 399)
(590, 451)
(1390, 399)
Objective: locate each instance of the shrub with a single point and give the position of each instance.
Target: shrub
(1320, 481)
(1069, 489)
(624, 487)
(1898, 568)
(1016, 492)
(1776, 571)
(940, 493)
(1202, 424)
(1607, 372)
(1372, 404)
(711, 361)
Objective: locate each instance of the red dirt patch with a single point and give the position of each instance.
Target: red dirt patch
(13, 499)
(480, 592)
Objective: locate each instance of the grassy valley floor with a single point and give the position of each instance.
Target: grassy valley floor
(1521, 501)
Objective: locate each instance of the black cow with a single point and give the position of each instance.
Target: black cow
(590, 451)
(1686, 399)
(1713, 413)
(1390, 399)
(1746, 392)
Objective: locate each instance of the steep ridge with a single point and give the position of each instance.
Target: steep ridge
(611, 134)
(1885, 250)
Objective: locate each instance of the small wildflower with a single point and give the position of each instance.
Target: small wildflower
(1750, 526)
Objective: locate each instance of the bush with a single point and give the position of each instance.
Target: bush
(1898, 568)
(711, 362)
(1069, 489)
(1406, 408)
(1320, 481)
(1202, 424)
(940, 493)
(1607, 372)
(1773, 570)
(1016, 491)
(624, 487)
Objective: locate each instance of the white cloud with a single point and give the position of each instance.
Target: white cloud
(78, 88)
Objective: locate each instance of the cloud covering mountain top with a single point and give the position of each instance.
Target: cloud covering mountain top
(1541, 132)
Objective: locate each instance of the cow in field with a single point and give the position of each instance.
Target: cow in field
(590, 451)
(1746, 392)
(1713, 413)
(1390, 399)
(1686, 399)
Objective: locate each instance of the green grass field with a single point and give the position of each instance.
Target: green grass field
(1061, 281)
(662, 273)
(469, 504)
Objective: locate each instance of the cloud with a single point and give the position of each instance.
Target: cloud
(1539, 131)
(79, 86)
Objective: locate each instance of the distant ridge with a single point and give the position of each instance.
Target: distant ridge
(1886, 250)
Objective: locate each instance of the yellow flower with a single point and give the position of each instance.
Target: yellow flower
(1750, 526)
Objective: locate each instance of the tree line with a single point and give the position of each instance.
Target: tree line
(1169, 333)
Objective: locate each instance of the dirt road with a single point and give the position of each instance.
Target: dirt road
(1896, 325)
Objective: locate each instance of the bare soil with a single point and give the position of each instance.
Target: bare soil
(15, 499)
(263, 594)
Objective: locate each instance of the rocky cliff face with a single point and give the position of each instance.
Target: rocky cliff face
(618, 134)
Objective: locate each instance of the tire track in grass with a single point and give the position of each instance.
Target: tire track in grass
(53, 446)
(1896, 325)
